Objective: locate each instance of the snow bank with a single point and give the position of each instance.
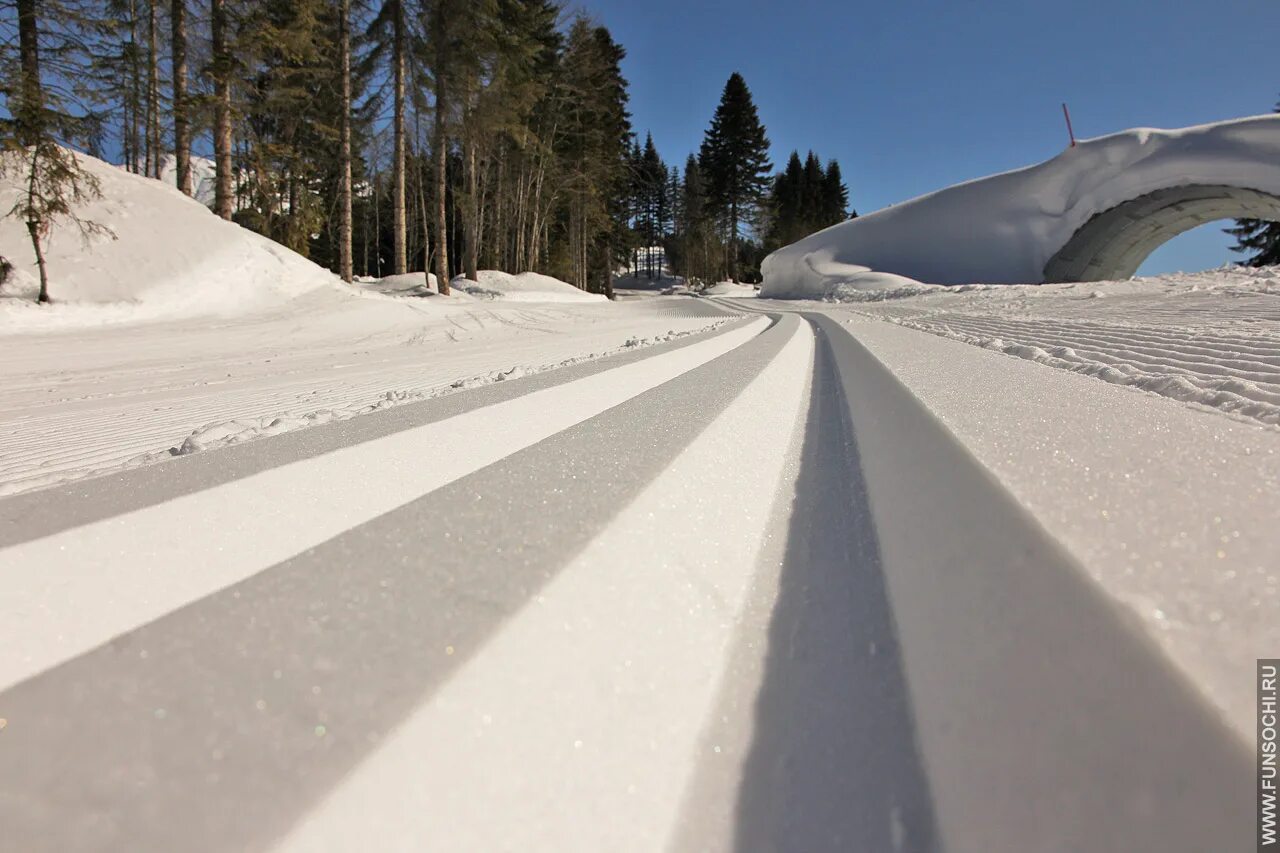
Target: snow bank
(170, 256)
(405, 284)
(523, 287)
(1005, 228)
(492, 286)
(731, 288)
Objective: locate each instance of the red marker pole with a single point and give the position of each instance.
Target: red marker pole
(1067, 115)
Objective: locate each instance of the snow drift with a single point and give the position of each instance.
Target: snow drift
(168, 255)
(494, 286)
(1006, 228)
(523, 287)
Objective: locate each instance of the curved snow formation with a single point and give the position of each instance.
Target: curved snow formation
(1094, 212)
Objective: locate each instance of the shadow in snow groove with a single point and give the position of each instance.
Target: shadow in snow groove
(833, 763)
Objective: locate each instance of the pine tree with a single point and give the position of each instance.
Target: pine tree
(805, 198)
(395, 38)
(593, 151)
(812, 195)
(787, 204)
(292, 110)
(694, 261)
(735, 162)
(1257, 237)
(117, 75)
(652, 183)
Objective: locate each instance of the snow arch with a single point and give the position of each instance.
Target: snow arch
(1095, 211)
(1114, 243)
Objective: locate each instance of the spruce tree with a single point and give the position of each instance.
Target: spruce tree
(812, 196)
(835, 196)
(1258, 238)
(786, 204)
(695, 230)
(592, 147)
(735, 162)
(653, 175)
(805, 198)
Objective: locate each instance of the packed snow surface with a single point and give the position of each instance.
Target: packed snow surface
(1210, 339)
(1005, 228)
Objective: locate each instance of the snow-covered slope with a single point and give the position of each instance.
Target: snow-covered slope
(170, 256)
(1005, 228)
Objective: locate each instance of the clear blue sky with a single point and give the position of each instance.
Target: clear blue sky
(914, 95)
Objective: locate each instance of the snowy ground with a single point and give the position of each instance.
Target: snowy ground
(898, 573)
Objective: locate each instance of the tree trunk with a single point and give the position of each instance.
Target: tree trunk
(440, 146)
(132, 138)
(344, 190)
(153, 92)
(733, 241)
(28, 113)
(399, 262)
(608, 270)
(224, 191)
(181, 116)
(377, 224)
(426, 219)
(471, 222)
(35, 227)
